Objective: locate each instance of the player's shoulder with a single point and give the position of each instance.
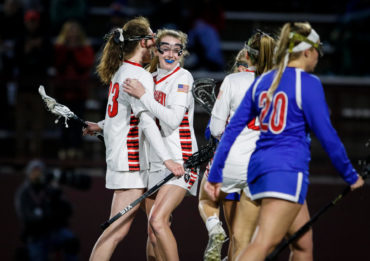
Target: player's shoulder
(241, 76)
(185, 73)
(313, 79)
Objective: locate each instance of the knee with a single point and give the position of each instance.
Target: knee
(304, 244)
(157, 223)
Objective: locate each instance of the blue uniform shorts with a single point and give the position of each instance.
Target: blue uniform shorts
(291, 186)
(233, 196)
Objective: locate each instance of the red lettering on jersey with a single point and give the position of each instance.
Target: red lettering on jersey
(161, 98)
(252, 125)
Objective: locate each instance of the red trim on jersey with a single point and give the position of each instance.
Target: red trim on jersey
(133, 144)
(164, 78)
(133, 63)
(246, 70)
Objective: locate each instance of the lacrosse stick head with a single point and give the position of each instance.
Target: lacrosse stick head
(203, 155)
(56, 108)
(204, 93)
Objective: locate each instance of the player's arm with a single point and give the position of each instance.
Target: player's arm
(221, 110)
(152, 133)
(316, 112)
(171, 115)
(243, 115)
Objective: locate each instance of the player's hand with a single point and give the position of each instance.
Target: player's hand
(176, 168)
(359, 183)
(213, 189)
(91, 128)
(133, 88)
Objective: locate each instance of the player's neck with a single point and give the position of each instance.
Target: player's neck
(298, 64)
(137, 58)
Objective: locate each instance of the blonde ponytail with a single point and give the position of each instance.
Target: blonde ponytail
(282, 46)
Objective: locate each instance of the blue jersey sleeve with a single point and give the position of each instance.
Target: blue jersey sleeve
(243, 115)
(208, 131)
(316, 113)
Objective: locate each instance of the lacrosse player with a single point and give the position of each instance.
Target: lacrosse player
(259, 51)
(289, 102)
(173, 106)
(126, 50)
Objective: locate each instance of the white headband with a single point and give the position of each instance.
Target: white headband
(313, 36)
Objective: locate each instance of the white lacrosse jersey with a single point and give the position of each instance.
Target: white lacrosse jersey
(174, 88)
(126, 147)
(231, 93)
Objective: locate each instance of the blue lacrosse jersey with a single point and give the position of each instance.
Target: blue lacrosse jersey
(297, 107)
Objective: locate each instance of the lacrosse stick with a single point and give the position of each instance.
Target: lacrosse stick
(63, 111)
(203, 155)
(204, 93)
(305, 227)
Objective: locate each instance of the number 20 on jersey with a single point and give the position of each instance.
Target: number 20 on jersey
(277, 120)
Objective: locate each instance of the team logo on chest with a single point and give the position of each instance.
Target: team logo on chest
(160, 97)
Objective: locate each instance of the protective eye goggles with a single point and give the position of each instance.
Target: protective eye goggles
(164, 47)
(241, 64)
(294, 36)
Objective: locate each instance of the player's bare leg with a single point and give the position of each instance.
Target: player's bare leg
(209, 211)
(245, 223)
(230, 210)
(302, 249)
(114, 234)
(275, 218)
(152, 250)
(169, 197)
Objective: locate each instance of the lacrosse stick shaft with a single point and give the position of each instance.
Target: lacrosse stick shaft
(309, 223)
(133, 204)
(97, 134)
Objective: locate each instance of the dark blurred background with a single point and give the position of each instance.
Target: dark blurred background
(57, 44)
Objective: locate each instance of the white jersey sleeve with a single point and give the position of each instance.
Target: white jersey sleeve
(151, 131)
(101, 124)
(180, 93)
(171, 116)
(217, 127)
(221, 109)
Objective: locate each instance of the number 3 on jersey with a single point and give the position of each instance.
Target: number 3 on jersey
(113, 107)
(277, 121)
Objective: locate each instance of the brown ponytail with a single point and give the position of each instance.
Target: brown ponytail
(282, 45)
(175, 34)
(114, 53)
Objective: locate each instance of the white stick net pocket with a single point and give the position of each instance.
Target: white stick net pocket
(56, 108)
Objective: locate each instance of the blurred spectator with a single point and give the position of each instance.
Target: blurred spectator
(352, 32)
(74, 58)
(65, 10)
(117, 17)
(13, 15)
(207, 20)
(32, 59)
(44, 214)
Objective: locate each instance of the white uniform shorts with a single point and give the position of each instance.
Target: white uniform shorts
(230, 185)
(126, 179)
(189, 181)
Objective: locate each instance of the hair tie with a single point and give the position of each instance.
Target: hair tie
(118, 36)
